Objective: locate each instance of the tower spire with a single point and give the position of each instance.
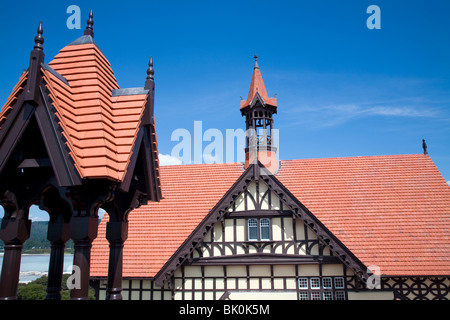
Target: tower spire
(257, 86)
(90, 23)
(258, 110)
(256, 62)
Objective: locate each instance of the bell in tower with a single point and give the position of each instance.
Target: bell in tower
(258, 110)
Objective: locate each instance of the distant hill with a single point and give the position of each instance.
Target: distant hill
(38, 243)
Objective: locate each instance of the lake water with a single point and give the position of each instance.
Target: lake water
(34, 266)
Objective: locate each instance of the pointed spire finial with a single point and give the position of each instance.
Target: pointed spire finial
(39, 39)
(90, 23)
(256, 61)
(150, 70)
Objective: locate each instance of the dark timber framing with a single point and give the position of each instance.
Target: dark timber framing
(36, 168)
(257, 172)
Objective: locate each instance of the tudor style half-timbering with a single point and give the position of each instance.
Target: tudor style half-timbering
(259, 249)
(315, 229)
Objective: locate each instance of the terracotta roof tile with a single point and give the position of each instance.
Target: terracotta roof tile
(99, 128)
(378, 207)
(390, 211)
(13, 97)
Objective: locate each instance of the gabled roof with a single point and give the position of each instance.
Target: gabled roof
(100, 127)
(96, 122)
(389, 211)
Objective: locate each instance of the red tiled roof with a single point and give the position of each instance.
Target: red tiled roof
(157, 230)
(100, 129)
(13, 97)
(98, 120)
(390, 211)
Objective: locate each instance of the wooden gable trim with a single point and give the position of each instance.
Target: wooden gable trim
(263, 259)
(322, 232)
(13, 128)
(197, 236)
(63, 165)
(144, 147)
(150, 159)
(216, 214)
(125, 184)
(16, 124)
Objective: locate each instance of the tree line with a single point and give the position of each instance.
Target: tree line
(38, 243)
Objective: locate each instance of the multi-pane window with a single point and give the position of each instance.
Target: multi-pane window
(339, 283)
(321, 288)
(253, 229)
(326, 283)
(265, 229)
(303, 283)
(258, 229)
(315, 295)
(315, 283)
(339, 295)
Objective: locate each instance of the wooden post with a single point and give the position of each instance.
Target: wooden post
(14, 232)
(116, 233)
(58, 233)
(83, 230)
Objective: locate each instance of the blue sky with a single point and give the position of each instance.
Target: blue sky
(343, 90)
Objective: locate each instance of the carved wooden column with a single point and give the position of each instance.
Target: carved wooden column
(58, 233)
(53, 201)
(14, 232)
(116, 234)
(83, 230)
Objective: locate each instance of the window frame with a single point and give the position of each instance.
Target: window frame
(321, 288)
(249, 233)
(268, 226)
(259, 225)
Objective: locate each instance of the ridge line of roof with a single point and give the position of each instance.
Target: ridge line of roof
(353, 157)
(303, 159)
(128, 91)
(84, 40)
(55, 73)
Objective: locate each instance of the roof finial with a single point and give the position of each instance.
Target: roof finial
(39, 39)
(150, 70)
(90, 23)
(424, 146)
(256, 61)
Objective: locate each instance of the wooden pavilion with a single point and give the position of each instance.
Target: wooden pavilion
(72, 141)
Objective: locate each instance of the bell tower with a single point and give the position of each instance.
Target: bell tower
(258, 110)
